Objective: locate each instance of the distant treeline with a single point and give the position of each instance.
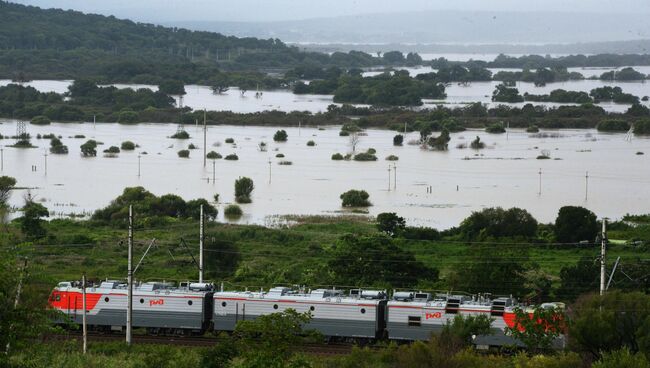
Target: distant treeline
(109, 104)
(571, 61)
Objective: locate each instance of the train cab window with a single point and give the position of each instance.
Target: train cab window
(106, 299)
(275, 306)
(415, 321)
(57, 298)
(363, 311)
(223, 304)
(141, 301)
(189, 302)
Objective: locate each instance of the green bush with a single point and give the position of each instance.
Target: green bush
(280, 155)
(112, 149)
(398, 140)
(128, 146)
(88, 149)
(184, 153)
(231, 157)
(642, 127)
(613, 125)
(365, 156)
(344, 133)
(233, 210)
(181, 135)
(392, 158)
(40, 120)
(477, 144)
(243, 189)
(337, 157)
(128, 117)
(192, 146)
(230, 140)
(280, 136)
(355, 198)
(212, 155)
(285, 163)
(532, 129)
(311, 143)
(496, 128)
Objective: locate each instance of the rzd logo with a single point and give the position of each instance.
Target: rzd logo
(433, 315)
(156, 302)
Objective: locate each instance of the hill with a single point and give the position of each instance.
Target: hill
(53, 43)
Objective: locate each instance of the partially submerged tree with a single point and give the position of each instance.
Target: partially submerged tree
(243, 189)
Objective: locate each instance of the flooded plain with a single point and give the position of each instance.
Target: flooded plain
(505, 174)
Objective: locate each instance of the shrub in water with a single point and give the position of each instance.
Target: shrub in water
(231, 157)
(184, 153)
(233, 211)
(355, 198)
(128, 146)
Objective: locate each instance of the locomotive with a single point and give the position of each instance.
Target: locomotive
(358, 315)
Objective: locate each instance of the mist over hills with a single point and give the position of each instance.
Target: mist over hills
(445, 27)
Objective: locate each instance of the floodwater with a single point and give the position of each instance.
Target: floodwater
(202, 97)
(505, 174)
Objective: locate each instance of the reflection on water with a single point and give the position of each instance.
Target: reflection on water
(505, 174)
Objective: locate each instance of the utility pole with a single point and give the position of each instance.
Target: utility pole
(269, 171)
(205, 132)
(586, 185)
(299, 127)
(129, 306)
(405, 124)
(394, 176)
(214, 172)
(389, 177)
(603, 250)
(139, 165)
(540, 182)
(2, 158)
(201, 241)
(83, 305)
(94, 121)
(45, 155)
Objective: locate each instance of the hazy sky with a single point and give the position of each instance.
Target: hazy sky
(272, 10)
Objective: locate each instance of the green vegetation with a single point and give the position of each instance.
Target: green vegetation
(642, 127)
(184, 153)
(279, 155)
(112, 149)
(231, 157)
(532, 129)
(365, 156)
(89, 149)
(230, 140)
(495, 128)
(392, 158)
(57, 147)
(233, 211)
(503, 93)
(614, 94)
(625, 74)
(311, 143)
(280, 136)
(540, 77)
(560, 96)
(191, 146)
(355, 198)
(477, 144)
(613, 125)
(181, 135)
(40, 120)
(128, 146)
(398, 140)
(390, 223)
(337, 157)
(575, 224)
(212, 155)
(172, 87)
(243, 189)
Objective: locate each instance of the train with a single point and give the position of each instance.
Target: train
(358, 315)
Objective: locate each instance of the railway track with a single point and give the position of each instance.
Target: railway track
(195, 341)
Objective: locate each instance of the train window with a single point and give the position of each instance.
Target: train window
(275, 306)
(58, 298)
(415, 321)
(189, 302)
(106, 299)
(141, 301)
(312, 308)
(223, 304)
(363, 311)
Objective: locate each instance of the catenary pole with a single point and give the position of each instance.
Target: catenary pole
(129, 307)
(603, 250)
(83, 321)
(201, 244)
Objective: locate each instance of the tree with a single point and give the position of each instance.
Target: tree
(128, 117)
(233, 211)
(128, 146)
(642, 127)
(390, 223)
(355, 198)
(375, 260)
(7, 183)
(280, 136)
(491, 270)
(193, 209)
(606, 323)
(31, 223)
(574, 224)
(57, 147)
(497, 223)
(539, 329)
(40, 120)
(172, 87)
(578, 279)
(503, 93)
(441, 142)
(243, 189)
(398, 140)
(477, 144)
(464, 328)
(354, 140)
(88, 149)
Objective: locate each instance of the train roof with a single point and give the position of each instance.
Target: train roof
(284, 293)
(155, 287)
